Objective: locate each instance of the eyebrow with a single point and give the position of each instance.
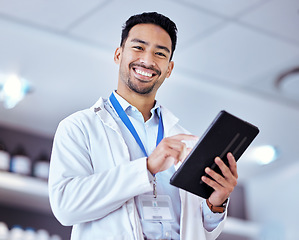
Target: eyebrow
(146, 43)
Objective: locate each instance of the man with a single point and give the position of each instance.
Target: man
(111, 164)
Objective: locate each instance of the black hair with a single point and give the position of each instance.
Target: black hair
(153, 18)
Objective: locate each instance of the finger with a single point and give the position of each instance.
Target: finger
(229, 179)
(216, 186)
(226, 171)
(216, 177)
(187, 152)
(186, 137)
(223, 167)
(161, 159)
(218, 183)
(181, 149)
(176, 142)
(179, 146)
(172, 156)
(232, 164)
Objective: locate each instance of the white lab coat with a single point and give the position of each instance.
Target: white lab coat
(92, 181)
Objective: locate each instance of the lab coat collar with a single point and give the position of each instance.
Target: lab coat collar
(169, 120)
(99, 109)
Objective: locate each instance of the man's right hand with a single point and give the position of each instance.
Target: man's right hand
(169, 151)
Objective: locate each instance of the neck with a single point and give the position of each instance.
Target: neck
(144, 103)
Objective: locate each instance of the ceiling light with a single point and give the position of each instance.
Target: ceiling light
(13, 89)
(288, 81)
(264, 154)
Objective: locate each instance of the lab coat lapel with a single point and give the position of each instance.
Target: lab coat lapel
(108, 120)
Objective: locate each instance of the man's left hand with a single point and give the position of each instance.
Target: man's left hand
(223, 185)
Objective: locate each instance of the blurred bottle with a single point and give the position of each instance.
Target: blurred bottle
(42, 234)
(4, 158)
(55, 237)
(20, 162)
(4, 232)
(29, 234)
(16, 233)
(41, 167)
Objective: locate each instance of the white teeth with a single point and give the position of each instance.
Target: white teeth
(144, 73)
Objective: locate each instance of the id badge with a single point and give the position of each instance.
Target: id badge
(156, 208)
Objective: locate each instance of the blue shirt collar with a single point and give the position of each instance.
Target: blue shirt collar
(126, 106)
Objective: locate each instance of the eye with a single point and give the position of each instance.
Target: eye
(138, 47)
(161, 54)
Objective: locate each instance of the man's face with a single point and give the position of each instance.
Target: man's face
(144, 59)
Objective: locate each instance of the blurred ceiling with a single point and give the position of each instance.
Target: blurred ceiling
(229, 55)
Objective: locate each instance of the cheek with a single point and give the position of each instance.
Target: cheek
(128, 56)
(126, 62)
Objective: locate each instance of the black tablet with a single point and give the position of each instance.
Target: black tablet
(226, 133)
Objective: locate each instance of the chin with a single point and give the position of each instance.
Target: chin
(140, 90)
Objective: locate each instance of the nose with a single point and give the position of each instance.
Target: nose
(147, 59)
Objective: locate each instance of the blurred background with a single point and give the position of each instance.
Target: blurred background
(56, 57)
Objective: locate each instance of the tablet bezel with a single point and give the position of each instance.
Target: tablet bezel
(227, 133)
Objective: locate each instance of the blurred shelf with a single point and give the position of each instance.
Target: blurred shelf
(32, 194)
(24, 192)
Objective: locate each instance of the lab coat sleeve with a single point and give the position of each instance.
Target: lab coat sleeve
(192, 226)
(77, 193)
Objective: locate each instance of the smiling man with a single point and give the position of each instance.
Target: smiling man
(111, 164)
(144, 60)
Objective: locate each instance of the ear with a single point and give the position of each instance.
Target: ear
(117, 55)
(170, 67)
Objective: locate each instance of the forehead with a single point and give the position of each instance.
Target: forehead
(150, 33)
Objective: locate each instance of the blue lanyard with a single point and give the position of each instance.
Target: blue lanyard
(123, 116)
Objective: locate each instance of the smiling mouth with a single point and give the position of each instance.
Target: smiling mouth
(145, 72)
